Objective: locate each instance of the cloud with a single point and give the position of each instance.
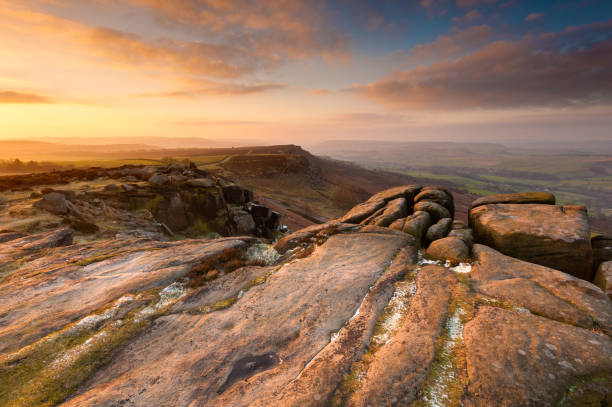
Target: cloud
(468, 18)
(534, 17)
(320, 92)
(23, 98)
(450, 46)
(473, 3)
(503, 74)
(202, 88)
(213, 38)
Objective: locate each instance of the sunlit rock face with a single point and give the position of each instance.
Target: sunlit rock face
(553, 236)
(372, 309)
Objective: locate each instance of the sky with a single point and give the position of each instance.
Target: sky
(305, 71)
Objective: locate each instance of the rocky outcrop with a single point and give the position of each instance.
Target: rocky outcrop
(553, 236)
(154, 201)
(342, 314)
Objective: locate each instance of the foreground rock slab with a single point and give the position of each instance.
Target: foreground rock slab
(279, 326)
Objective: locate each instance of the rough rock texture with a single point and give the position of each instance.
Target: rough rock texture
(436, 210)
(584, 298)
(335, 314)
(417, 225)
(47, 294)
(516, 198)
(553, 236)
(377, 201)
(440, 196)
(603, 277)
(464, 234)
(531, 361)
(439, 230)
(452, 249)
(394, 210)
(294, 324)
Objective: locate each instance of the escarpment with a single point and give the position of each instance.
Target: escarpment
(394, 303)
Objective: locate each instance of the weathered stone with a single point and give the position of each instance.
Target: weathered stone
(544, 198)
(234, 194)
(528, 360)
(175, 215)
(245, 224)
(417, 225)
(398, 371)
(452, 249)
(53, 202)
(394, 210)
(553, 236)
(201, 182)
(491, 265)
(74, 281)
(398, 224)
(404, 191)
(305, 303)
(8, 235)
(439, 196)
(439, 230)
(464, 234)
(603, 277)
(436, 210)
(260, 211)
(159, 180)
(362, 211)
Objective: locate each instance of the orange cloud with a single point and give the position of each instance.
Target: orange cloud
(24, 98)
(319, 92)
(239, 37)
(218, 89)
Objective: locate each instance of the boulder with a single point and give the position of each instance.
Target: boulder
(603, 278)
(464, 234)
(159, 180)
(394, 210)
(362, 211)
(53, 202)
(451, 249)
(417, 225)
(245, 224)
(439, 196)
(553, 236)
(436, 210)
(544, 198)
(234, 194)
(439, 230)
(260, 211)
(175, 214)
(398, 224)
(201, 182)
(404, 191)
